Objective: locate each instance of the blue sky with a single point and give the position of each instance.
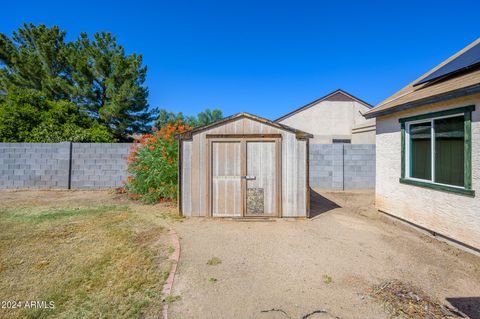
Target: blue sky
(267, 57)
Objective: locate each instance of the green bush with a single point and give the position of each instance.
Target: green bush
(27, 116)
(153, 165)
(64, 122)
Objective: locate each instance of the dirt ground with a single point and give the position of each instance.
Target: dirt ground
(295, 267)
(325, 263)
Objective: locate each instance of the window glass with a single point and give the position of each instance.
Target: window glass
(339, 140)
(449, 151)
(421, 151)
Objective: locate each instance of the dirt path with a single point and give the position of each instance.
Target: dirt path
(301, 266)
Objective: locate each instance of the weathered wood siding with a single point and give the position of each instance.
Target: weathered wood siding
(226, 179)
(186, 182)
(261, 163)
(195, 168)
(301, 189)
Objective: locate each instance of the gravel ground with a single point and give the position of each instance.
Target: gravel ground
(325, 263)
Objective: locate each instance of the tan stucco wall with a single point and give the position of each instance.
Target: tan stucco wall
(364, 137)
(364, 133)
(327, 120)
(449, 214)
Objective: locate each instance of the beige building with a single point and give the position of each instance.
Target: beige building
(428, 150)
(335, 118)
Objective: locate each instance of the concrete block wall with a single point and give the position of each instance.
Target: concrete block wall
(104, 165)
(338, 166)
(99, 165)
(342, 166)
(321, 165)
(359, 166)
(34, 165)
(47, 165)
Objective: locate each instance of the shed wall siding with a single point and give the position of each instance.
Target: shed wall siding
(186, 181)
(301, 177)
(449, 214)
(195, 168)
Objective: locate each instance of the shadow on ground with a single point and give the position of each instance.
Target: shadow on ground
(468, 305)
(320, 204)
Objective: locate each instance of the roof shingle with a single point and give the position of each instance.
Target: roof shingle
(411, 96)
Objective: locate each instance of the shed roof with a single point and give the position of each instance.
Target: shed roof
(448, 87)
(337, 95)
(188, 135)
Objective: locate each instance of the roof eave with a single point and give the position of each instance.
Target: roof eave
(323, 98)
(303, 135)
(429, 100)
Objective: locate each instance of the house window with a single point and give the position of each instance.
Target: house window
(340, 140)
(449, 151)
(421, 150)
(436, 150)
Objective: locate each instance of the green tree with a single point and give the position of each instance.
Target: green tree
(93, 75)
(209, 116)
(110, 84)
(166, 117)
(27, 116)
(203, 118)
(19, 114)
(62, 122)
(35, 57)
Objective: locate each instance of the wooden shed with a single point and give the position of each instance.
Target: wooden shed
(244, 166)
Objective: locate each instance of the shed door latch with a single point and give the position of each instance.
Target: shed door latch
(249, 177)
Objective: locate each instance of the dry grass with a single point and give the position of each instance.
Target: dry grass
(92, 261)
(214, 261)
(402, 300)
(327, 279)
(172, 298)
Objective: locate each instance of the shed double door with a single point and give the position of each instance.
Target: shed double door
(245, 177)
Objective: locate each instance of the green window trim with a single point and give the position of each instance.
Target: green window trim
(458, 110)
(468, 150)
(467, 189)
(439, 187)
(403, 150)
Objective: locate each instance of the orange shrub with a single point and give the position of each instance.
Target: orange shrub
(153, 165)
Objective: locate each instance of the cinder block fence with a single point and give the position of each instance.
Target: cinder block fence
(63, 165)
(104, 165)
(342, 166)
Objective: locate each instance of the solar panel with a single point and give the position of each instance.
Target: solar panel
(465, 61)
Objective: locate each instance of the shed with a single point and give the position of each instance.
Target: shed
(243, 166)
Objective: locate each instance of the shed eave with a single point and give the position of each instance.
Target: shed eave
(189, 134)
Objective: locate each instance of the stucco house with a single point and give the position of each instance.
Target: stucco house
(428, 150)
(333, 118)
